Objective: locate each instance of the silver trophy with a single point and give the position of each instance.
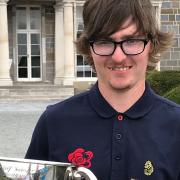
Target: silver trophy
(25, 169)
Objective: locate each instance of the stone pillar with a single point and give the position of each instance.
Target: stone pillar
(69, 73)
(59, 44)
(5, 79)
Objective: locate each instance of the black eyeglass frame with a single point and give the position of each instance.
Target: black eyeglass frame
(91, 43)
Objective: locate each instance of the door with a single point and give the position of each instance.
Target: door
(28, 43)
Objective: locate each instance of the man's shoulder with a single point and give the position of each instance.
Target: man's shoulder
(64, 112)
(70, 103)
(166, 103)
(166, 113)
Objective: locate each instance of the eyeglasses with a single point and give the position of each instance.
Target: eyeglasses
(128, 46)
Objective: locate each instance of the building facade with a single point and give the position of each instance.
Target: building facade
(36, 40)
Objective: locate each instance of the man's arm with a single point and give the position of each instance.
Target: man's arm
(38, 148)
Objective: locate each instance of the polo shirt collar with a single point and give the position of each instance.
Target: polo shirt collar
(105, 110)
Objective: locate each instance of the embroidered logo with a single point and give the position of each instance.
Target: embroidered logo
(80, 157)
(148, 168)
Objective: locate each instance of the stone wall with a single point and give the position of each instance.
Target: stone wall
(170, 21)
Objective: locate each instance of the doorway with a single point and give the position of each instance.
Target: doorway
(28, 43)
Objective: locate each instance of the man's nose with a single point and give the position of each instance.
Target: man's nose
(118, 54)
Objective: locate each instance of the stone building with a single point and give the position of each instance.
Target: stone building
(36, 41)
(170, 21)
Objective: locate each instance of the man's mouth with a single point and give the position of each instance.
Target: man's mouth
(116, 68)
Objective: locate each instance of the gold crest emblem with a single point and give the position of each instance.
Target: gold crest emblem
(148, 168)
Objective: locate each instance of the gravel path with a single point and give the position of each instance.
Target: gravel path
(17, 121)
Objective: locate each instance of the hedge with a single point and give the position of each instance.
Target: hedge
(165, 83)
(174, 94)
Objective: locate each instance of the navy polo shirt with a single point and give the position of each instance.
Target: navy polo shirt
(143, 143)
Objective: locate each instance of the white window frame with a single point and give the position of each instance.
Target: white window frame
(29, 31)
(84, 67)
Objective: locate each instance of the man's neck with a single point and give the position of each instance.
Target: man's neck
(122, 100)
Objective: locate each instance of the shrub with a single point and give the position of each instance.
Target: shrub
(174, 94)
(163, 81)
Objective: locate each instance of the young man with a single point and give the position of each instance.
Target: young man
(120, 129)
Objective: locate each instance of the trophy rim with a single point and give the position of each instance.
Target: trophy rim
(33, 161)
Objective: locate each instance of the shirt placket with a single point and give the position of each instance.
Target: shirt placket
(118, 147)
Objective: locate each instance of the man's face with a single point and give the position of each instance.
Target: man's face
(120, 71)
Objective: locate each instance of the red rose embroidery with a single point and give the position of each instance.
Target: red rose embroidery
(80, 157)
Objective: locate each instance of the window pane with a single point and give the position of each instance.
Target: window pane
(21, 18)
(22, 39)
(80, 26)
(35, 72)
(22, 50)
(78, 34)
(35, 50)
(35, 18)
(79, 60)
(79, 73)
(87, 73)
(35, 61)
(22, 73)
(35, 38)
(22, 61)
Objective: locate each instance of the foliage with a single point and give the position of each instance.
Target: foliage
(165, 83)
(174, 94)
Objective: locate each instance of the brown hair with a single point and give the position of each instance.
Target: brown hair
(102, 18)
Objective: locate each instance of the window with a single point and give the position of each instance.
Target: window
(83, 69)
(28, 43)
(157, 8)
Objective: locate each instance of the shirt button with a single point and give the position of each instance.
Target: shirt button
(118, 157)
(118, 136)
(120, 117)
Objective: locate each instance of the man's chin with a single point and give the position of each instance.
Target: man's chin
(120, 87)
